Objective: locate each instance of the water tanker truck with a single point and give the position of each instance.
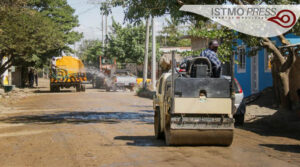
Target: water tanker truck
(66, 72)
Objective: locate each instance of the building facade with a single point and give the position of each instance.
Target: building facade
(254, 72)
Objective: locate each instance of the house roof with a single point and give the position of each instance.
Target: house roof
(178, 49)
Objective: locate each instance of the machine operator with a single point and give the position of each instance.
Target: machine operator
(211, 54)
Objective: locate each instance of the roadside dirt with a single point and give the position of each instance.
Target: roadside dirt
(112, 129)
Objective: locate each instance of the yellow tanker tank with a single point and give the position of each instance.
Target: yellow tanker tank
(66, 72)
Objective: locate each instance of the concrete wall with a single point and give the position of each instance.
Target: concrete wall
(199, 43)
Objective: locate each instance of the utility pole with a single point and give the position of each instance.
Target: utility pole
(153, 76)
(103, 40)
(106, 32)
(145, 71)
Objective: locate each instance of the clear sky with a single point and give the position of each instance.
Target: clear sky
(90, 19)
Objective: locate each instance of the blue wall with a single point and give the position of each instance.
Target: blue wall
(265, 78)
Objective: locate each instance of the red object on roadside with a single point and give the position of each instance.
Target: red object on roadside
(238, 85)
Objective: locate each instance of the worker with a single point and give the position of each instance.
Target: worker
(211, 54)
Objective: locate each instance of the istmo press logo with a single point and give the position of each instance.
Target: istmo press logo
(255, 20)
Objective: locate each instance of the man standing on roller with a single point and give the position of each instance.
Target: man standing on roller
(211, 54)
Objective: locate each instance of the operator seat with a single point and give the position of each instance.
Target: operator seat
(199, 67)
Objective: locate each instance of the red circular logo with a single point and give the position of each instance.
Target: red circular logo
(284, 18)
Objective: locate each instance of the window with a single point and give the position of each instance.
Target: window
(267, 62)
(241, 57)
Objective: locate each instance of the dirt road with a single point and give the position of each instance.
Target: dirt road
(116, 129)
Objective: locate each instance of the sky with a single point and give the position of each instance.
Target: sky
(90, 19)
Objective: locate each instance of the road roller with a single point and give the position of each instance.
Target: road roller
(194, 108)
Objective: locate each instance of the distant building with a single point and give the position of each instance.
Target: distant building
(177, 49)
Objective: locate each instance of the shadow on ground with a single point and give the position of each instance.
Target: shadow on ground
(141, 140)
(266, 98)
(82, 117)
(141, 106)
(281, 124)
(48, 91)
(283, 147)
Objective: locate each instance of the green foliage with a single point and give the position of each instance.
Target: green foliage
(127, 44)
(31, 31)
(172, 35)
(25, 32)
(136, 10)
(60, 12)
(192, 53)
(89, 52)
(213, 31)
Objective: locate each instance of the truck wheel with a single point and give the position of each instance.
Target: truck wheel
(57, 89)
(107, 89)
(77, 88)
(82, 88)
(157, 126)
(52, 88)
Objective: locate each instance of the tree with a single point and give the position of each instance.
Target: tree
(61, 13)
(281, 66)
(32, 31)
(24, 33)
(127, 44)
(171, 34)
(89, 52)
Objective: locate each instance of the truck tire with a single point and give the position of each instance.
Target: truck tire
(82, 88)
(57, 89)
(78, 88)
(157, 125)
(52, 88)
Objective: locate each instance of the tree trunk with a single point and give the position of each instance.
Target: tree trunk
(145, 71)
(285, 89)
(276, 81)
